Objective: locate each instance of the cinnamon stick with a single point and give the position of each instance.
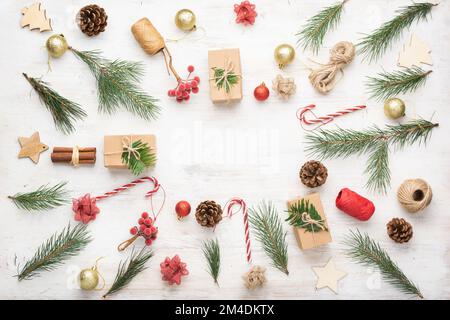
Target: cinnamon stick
(64, 149)
(67, 156)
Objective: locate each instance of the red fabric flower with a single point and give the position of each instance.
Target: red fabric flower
(245, 12)
(85, 208)
(173, 269)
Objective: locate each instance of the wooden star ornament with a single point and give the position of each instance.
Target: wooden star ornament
(328, 276)
(31, 147)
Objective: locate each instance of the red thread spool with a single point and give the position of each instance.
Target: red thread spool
(355, 205)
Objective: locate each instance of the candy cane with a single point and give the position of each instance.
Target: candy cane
(301, 114)
(230, 213)
(130, 185)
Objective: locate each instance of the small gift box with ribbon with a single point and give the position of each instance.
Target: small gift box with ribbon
(307, 217)
(115, 146)
(225, 79)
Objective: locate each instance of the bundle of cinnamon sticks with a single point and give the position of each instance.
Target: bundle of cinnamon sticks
(65, 155)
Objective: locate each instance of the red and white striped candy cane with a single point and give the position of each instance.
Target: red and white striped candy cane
(301, 115)
(230, 213)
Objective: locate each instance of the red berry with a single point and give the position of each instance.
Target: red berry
(195, 90)
(179, 99)
(179, 94)
(144, 215)
(153, 229)
(143, 227)
(148, 221)
(191, 68)
(182, 87)
(134, 230)
(147, 231)
(187, 86)
(148, 242)
(187, 97)
(197, 78)
(194, 84)
(141, 221)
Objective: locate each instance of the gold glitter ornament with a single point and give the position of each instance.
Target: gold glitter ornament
(185, 20)
(89, 278)
(284, 54)
(56, 45)
(394, 108)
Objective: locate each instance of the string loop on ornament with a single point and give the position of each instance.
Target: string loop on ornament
(188, 35)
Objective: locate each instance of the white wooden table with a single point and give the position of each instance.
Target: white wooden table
(250, 150)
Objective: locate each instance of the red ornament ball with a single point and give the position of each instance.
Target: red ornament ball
(261, 92)
(183, 208)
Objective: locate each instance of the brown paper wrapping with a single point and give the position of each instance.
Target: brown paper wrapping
(113, 147)
(147, 36)
(220, 59)
(308, 240)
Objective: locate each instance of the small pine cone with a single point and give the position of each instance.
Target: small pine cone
(208, 214)
(92, 20)
(313, 174)
(399, 230)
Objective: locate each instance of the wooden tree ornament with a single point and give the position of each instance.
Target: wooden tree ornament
(36, 18)
(414, 53)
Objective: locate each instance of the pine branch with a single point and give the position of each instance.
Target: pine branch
(55, 251)
(313, 32)
(295, 212)
(129, 269)
(143, 158)
(226, 82)
(44, 198)
(211, 251)
(341, 143)
(366, 251)
(396, 82)
(268, 229)
(117, 84)
(64, 112)
(374, 45)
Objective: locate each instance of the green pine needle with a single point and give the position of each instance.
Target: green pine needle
(225, 82)
(398, 82)
(211, 251)
(268, 230)
(313, 32)
(295, 212)
(64, 112)
(374, 45)
(55, 251)
(146, 158)
(44, 198)
(117, 84)
(129, 269)
(366, 251)
(341, 143)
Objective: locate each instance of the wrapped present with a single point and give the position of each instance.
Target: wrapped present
(115, 145)
(307, 217)
(225, 79)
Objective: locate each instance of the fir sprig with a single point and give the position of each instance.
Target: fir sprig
(366, 251)
(129, 269)
(268, 229)
(313, 32)
(117, 84)
(211, 251)
(55, 251)
(225, 81)
(389, 84)
(44, 198)
(341, 143)
(374, 45)
(142, 158)
(295, 212)
(64, 112)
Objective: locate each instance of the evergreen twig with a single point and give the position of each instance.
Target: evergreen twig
(64, 111)
(364, 250)
(268, 229)
(396, 82)
(211, 251)
(144, 158)
(226, 82)
(313, 32)
(55, 251)
(341, 143)
(44, 198)
(129, 269)
(374, 45)
(295, 212)
(117, 84)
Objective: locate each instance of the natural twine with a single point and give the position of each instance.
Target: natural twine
(324, 78)
(75, 156)
(414, 195)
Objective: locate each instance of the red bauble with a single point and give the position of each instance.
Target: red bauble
(261, 92)
(183, 208)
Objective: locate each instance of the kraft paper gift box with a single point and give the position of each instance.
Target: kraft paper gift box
(308, 239)
(114, 146)
(229, 60)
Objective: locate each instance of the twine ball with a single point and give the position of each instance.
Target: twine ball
(414, 195)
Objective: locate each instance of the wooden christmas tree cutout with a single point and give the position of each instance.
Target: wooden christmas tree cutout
(35, 18)
(414, 53)
(31, 147)
(328, 276)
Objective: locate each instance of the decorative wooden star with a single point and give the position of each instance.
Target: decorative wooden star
(328, 276)
(31, 147)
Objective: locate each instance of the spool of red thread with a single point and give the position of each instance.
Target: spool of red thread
(355, 205)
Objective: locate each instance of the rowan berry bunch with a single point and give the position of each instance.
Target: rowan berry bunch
(185, 87)
(146, 229)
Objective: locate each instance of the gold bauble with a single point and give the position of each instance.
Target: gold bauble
(394, 108)
(284, 54)
(88, 279)
(185, 20)
(56, 45)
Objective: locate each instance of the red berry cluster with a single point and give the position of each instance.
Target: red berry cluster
(146, 229)
(185, 86)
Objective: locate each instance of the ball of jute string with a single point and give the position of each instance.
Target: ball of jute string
(414, 195)
(324, 78)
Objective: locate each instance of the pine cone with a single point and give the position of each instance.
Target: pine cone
(399, 230)
(208, 214)
(313, 174)
(92, 20)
